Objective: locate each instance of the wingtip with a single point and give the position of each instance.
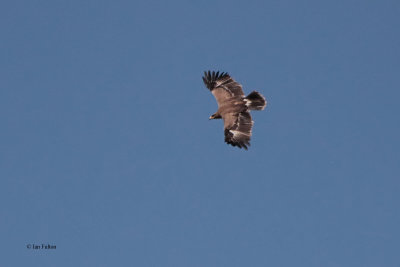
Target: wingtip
(211, 77)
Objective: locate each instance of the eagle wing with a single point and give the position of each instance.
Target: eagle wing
(222, 86)
(237, 129)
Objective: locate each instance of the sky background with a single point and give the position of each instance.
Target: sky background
(106, 150)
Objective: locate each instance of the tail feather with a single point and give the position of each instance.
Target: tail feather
(255, 101)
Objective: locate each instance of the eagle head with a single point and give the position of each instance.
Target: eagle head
(215, 116)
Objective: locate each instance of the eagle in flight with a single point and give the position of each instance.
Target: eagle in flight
(233, 107)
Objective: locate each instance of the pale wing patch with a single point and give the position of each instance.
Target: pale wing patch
(237, 133)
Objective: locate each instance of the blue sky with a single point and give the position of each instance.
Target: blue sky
(107, 151)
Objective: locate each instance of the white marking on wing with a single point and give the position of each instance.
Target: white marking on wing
(238, 133)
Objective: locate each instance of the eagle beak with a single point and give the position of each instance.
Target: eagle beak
(211, 117)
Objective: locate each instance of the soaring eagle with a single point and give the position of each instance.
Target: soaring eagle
(233, 107)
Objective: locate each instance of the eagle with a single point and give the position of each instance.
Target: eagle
(233, 107)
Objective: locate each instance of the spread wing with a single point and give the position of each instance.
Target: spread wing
(222, 86)
(237, 128)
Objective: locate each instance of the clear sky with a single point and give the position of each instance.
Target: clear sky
(106, 150)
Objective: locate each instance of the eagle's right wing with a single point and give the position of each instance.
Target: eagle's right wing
(237, 129)
(222, 86)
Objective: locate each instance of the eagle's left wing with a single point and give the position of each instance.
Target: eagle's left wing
(237, 129)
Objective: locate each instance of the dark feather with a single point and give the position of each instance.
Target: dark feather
(210, 78)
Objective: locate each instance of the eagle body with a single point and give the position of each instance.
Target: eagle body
(233, 107)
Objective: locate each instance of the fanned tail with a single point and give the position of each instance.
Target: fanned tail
(255, 101)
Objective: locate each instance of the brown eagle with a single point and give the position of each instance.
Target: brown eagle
(233, 107)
